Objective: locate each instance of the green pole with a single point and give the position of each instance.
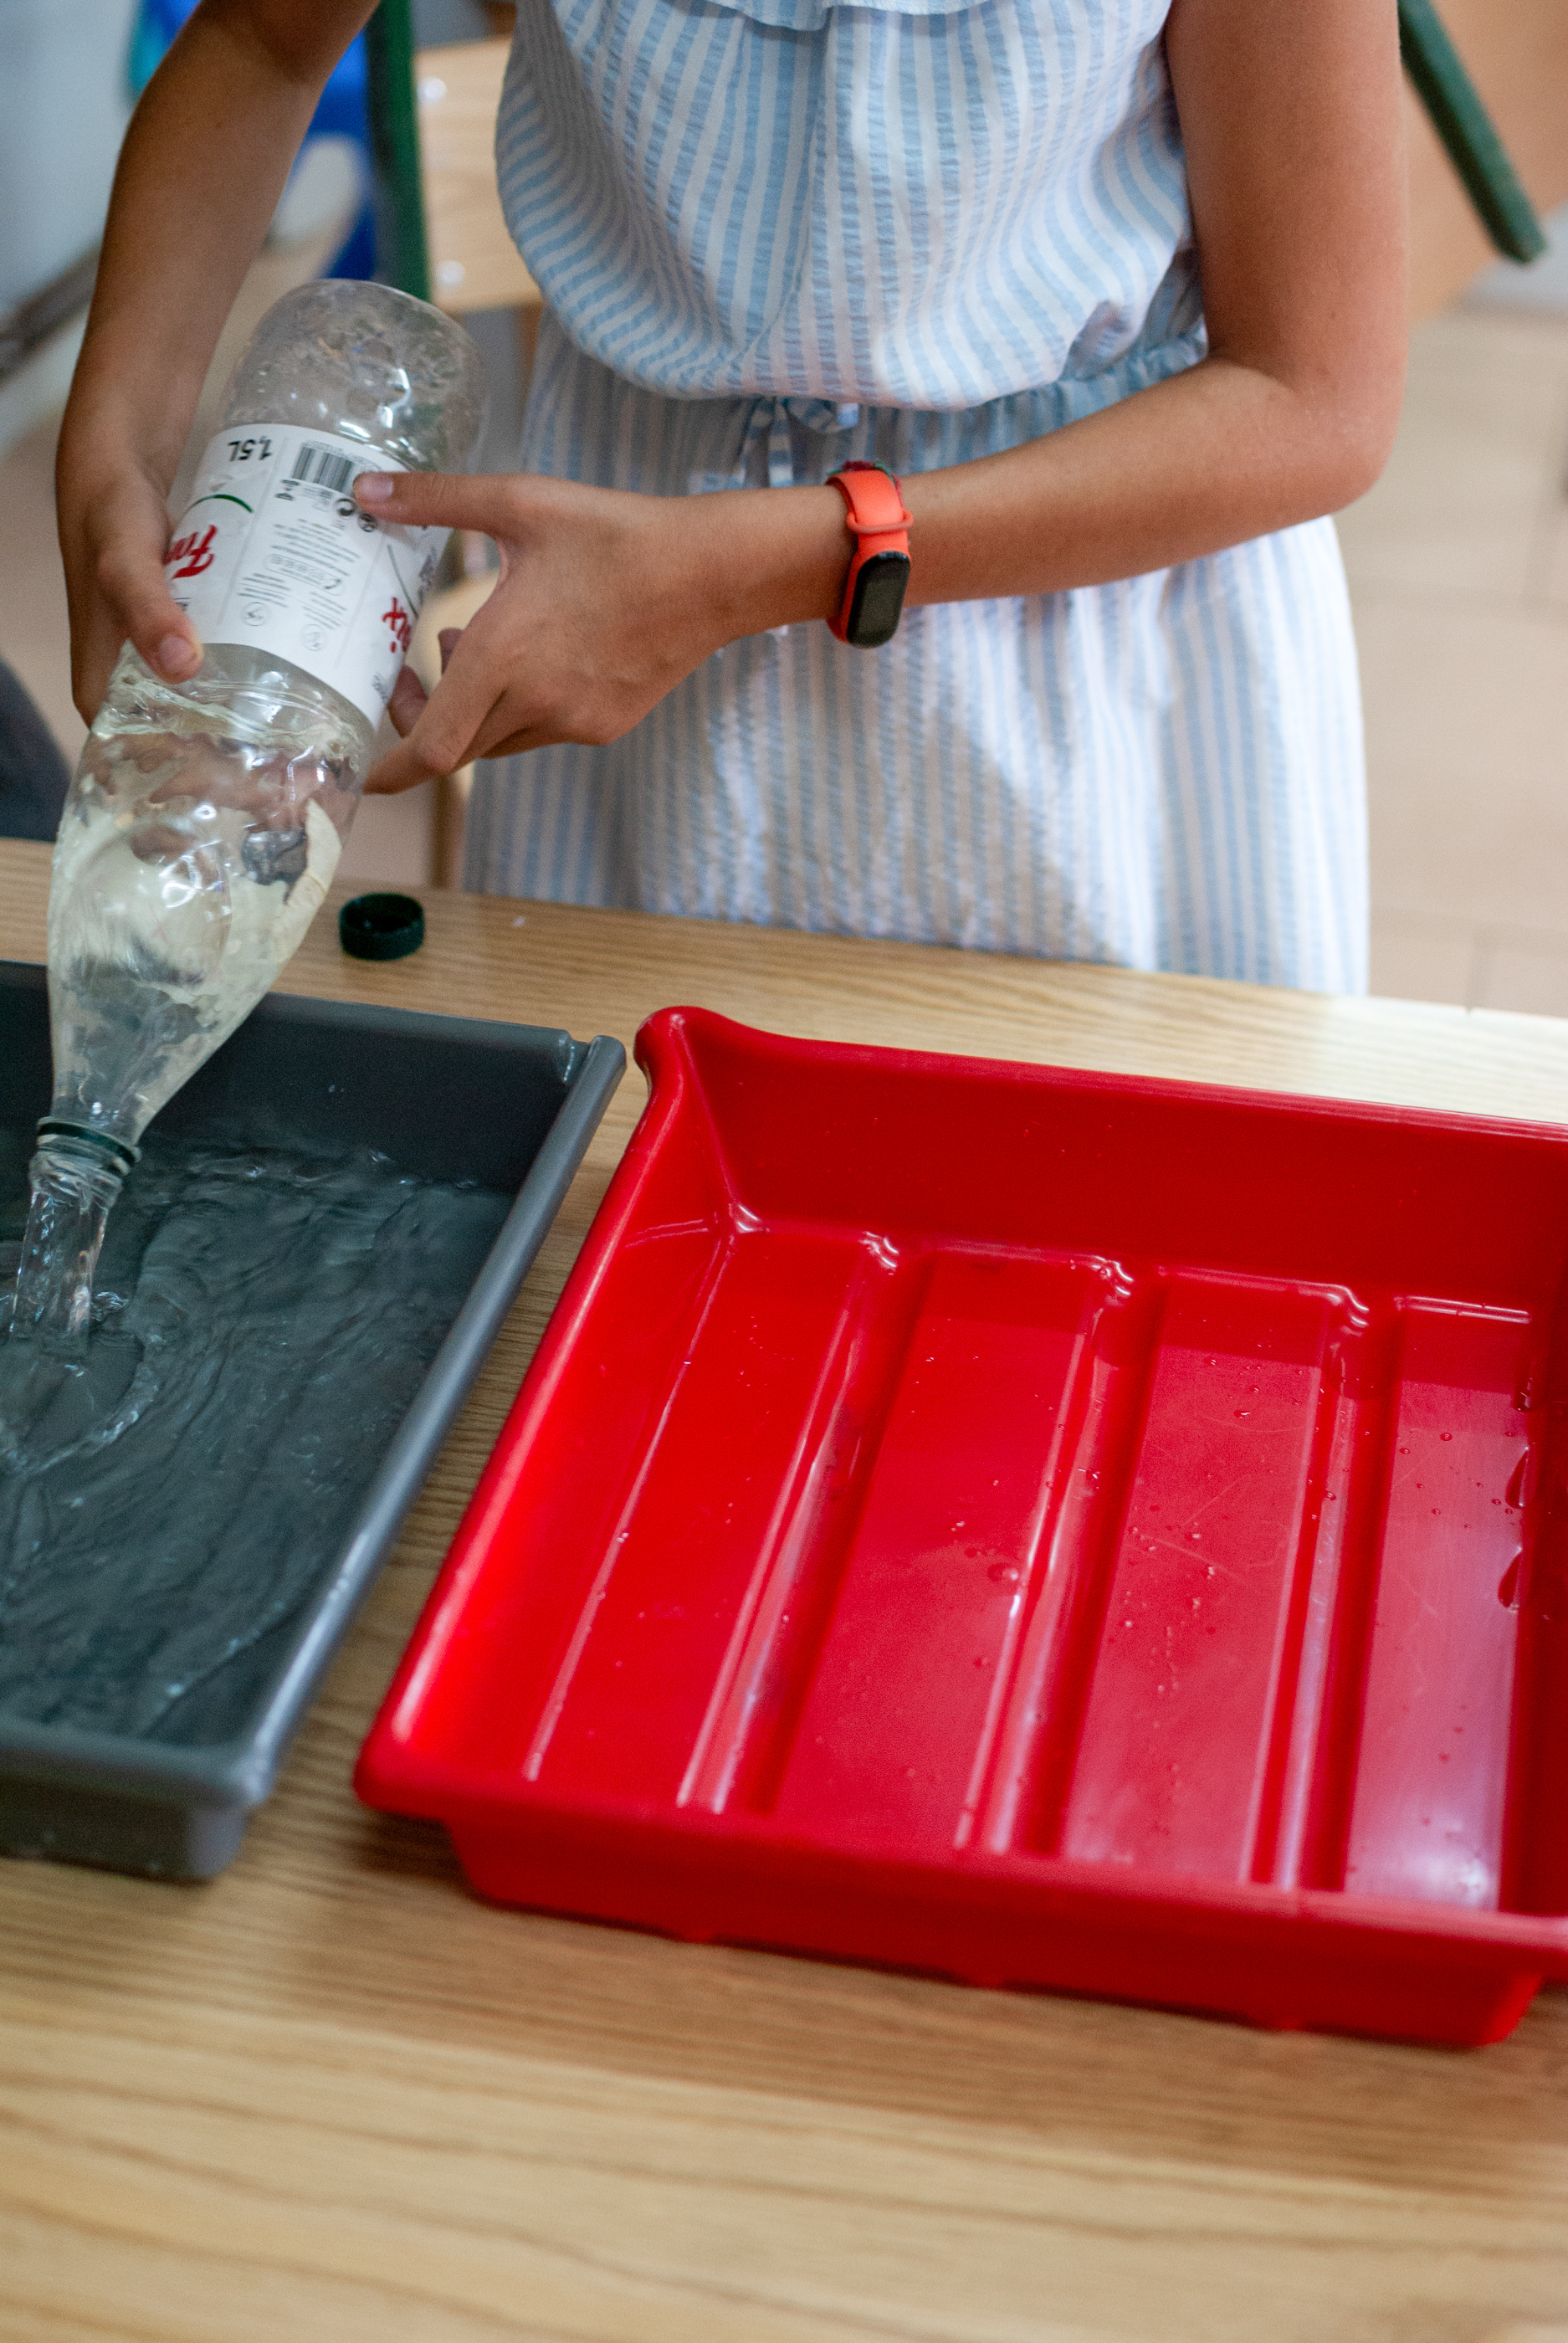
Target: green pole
(402, 253)
(1466, 130)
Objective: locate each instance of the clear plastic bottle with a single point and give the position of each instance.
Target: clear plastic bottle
(206, 819)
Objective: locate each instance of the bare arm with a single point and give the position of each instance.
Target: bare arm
(1292, 125)
(202, 167)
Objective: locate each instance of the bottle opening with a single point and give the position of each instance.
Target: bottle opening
(120, 1152)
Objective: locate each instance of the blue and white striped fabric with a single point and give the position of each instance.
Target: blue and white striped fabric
(780, 235)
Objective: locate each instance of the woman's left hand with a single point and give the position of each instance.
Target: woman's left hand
(605, 602)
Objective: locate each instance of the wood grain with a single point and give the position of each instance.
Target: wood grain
(331, 2095)
(474, 264)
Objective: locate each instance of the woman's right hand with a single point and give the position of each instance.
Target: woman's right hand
(114, 534)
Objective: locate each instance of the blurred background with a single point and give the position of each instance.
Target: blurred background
(1458, 560)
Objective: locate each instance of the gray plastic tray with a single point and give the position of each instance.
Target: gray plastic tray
(512, 1107)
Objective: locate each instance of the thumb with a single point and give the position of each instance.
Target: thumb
(434, 500)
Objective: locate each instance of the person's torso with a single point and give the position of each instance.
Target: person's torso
(926, 205)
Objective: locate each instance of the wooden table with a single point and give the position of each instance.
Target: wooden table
(329, 2095)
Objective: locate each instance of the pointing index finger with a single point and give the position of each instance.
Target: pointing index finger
(432, 499)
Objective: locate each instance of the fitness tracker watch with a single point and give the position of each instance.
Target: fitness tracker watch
(880, 571)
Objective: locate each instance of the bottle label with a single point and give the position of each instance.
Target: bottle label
(273, 552)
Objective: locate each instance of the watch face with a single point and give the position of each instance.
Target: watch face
(879, 599)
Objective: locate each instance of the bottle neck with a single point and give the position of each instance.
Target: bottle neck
(75, 1176)
(77, 1143)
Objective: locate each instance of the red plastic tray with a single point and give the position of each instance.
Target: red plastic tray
(1043, 1527)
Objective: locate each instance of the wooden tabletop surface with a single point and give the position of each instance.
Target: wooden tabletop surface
(331, 2095)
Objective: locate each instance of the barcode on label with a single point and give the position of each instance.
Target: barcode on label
(324, 468)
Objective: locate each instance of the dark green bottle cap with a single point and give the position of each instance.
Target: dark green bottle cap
(381, 927)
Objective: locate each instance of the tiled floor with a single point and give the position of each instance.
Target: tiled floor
(1459, 571)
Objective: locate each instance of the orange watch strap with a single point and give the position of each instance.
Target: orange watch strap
(876, 517)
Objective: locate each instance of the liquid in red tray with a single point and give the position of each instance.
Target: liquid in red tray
(1050, 1528)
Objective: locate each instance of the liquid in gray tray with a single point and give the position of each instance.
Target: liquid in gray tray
(171, 1491)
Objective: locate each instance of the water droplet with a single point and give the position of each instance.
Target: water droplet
(1445, 1435)
(1507, 1591)
(1003, 1573)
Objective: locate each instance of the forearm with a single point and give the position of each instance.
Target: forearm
(1207, 460)
(605, 599)
(200, 173)
(1215, 456)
